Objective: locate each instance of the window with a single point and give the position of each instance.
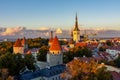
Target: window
(59, 77)
(52, 78)
(58, 62)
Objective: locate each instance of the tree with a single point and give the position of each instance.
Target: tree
(76, 52)
(41, 56)
(16, 65)
(85, 70)
(102, 74)
(6, 47)
(102, 49)
(68, 56)
(109, 43)
(37, 42)
(13, 63)
(29, 61)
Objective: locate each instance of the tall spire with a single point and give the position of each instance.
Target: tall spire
(76, 24)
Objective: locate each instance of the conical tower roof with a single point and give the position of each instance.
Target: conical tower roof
(18, 43)
(55, 45)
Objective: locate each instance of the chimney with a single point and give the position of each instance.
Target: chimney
(51, 34)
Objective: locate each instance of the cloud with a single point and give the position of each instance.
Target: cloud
(43, 28)
(12, 31)
(59, 31)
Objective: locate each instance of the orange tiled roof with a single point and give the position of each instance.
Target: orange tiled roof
(95, 43)
(18, 43)
(55, 45)
(50, 40)
(23, 41)
(29, 52)
(81, 44)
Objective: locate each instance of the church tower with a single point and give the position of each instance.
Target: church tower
(55, 55)
(76, 31)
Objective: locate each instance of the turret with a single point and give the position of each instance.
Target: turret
(55, 56)
(55, 48)
(18, 47)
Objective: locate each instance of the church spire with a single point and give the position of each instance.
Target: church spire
(76, 24)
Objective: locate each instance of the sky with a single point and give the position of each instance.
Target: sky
(60, 13)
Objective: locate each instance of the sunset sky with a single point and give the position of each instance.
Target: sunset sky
(60, 13)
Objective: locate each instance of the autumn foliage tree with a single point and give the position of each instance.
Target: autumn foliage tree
(6, 47)
(85, 70)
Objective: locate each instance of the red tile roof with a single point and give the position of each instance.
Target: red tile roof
(50, 40)
(29, 52)
(18, 43)
(115, 48)
(55, 45)
(92, 45)
(81, 44)
(115, 75)
(23, 41)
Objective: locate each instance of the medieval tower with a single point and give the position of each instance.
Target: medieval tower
(55, 55)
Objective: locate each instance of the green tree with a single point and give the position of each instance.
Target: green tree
(41, 56)
(29, 61)
(102, 49)
(37, 42)
(76, 52)
(15, 62)
(68, 56)
(109, 43)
